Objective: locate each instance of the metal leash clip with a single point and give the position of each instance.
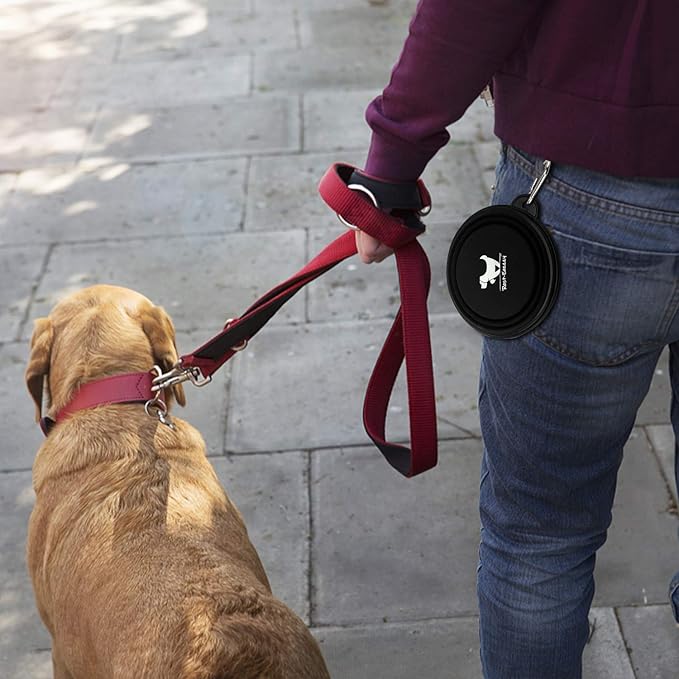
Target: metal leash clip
(177, 375)
(156, 403)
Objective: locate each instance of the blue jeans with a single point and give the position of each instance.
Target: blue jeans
(557, 406)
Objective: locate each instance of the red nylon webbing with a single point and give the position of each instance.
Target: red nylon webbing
(408, 338)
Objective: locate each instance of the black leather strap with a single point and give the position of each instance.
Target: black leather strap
(403, 199)
(391, 195)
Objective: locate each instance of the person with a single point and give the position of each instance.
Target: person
(594, 88)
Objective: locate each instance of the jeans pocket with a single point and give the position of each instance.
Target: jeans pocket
(612, 302)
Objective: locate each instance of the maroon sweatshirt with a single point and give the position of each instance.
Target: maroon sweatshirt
(584, 82)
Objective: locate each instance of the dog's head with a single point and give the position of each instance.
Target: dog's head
(98, 332)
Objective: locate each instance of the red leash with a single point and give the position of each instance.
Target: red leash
(408, 338)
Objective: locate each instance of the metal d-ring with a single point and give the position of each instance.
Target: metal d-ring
(362, 189)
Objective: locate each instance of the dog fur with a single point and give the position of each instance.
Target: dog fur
(141, 565)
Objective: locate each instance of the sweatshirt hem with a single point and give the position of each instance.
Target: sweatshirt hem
(595, 132)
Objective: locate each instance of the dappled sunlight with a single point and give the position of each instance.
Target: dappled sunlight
(39, 143)
(108, 174)
(189, 26)
(79, 207)
(67, 30)
(44, 181)
(133, 124)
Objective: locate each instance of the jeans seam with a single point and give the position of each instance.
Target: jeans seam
(671, 311)
(547, 340)
(561, 188)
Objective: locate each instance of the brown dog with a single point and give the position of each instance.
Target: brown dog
(142, 567)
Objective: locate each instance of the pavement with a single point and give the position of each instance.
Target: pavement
(175, 147)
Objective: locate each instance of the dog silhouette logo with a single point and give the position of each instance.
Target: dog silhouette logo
(492, 272)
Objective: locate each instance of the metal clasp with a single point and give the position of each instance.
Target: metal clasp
(177, 375)
(539, 181)
(156, 403)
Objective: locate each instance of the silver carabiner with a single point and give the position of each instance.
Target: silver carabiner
(539, 181)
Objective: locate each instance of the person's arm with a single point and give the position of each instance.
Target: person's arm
(453, 49)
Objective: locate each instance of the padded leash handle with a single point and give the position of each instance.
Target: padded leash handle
(408, 338)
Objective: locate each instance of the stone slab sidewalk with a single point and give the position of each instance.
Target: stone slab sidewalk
(175, 147)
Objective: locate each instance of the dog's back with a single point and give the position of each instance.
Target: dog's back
(141, 565)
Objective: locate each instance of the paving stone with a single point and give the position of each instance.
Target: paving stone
(283, 192)
(326, 68)
(652, 638)
(30, 665)
(449, 648)
(155, 83)
(7, 183)
(656, 406)
(642, 552)
(22, 631)
(476, 125)
(402, 548)
(487, 154)
(64, 42)
(454, 180)
(200, 280)
(359, 25)
(27, 88)
(205, 407)
(55, 136)
(605, 655)
(335, 120)
(118, 200)
(213, 35)
(354, 291)
(664, 443)
(20, 268)
(271, 492)
(321, 405)
(18, 429)
(438, 648)
(237, 127)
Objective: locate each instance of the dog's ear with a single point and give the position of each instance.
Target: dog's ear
(158, 327)
(39, 361)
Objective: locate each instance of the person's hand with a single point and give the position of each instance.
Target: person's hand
(370, 249)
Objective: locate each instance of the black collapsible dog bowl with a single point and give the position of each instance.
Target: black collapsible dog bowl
(503, 270)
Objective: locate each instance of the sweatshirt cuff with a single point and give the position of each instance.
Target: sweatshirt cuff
(392, 163)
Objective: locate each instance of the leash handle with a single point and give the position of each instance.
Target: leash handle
(407, 340)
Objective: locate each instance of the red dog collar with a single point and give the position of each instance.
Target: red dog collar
(127, 388)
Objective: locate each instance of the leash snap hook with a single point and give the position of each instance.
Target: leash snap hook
(156, 403)
(177, 375)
